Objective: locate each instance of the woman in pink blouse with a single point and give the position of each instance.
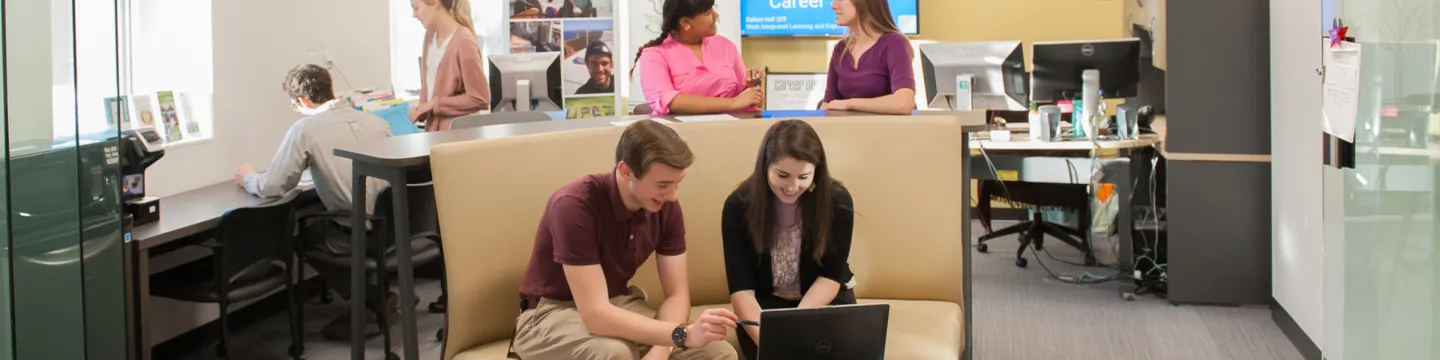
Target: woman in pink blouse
(689, 70)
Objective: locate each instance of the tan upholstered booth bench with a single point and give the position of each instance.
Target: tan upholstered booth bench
(904, 172)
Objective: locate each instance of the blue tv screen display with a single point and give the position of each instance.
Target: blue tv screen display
(812, 17)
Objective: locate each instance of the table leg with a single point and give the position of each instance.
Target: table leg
(965, 239)
(141, 297)
(400, 192)
(357, 266)
(1124, 190)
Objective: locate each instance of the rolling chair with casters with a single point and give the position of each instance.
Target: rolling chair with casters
(252, 254)
(1070, 196)
(642, 109)
(471, 121)
(381, 261)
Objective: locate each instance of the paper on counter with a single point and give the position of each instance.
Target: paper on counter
(628, 122)
(704, 118)
(1340, 97)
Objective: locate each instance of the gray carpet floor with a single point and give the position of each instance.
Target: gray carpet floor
(1020, 314)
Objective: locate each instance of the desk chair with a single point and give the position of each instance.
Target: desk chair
(470, 121)
(424, 245)
(252, 255)
(642, 109)
(1069, 196)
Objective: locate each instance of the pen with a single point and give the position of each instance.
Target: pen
(748, 323)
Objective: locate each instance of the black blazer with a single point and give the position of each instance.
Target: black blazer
(746, 270)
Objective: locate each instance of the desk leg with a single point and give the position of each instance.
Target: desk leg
(140, 273)
(357, 266)
(966, 240)
(400, 192)
(1124, 191)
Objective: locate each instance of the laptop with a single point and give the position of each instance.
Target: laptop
(842, 332)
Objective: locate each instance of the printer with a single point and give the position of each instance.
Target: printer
(139, 148)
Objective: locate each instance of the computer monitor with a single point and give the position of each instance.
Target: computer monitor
(997, 68)
(1057, 68)
(540, 72)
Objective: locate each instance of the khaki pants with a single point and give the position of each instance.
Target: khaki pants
(553, 330)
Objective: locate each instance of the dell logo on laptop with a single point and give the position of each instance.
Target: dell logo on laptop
(1087, 50)
(822, 347)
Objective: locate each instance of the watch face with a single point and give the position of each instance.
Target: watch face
(679, 336)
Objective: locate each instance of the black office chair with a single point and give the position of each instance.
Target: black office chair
(1069, 196)
(252, 254)
(381, 260)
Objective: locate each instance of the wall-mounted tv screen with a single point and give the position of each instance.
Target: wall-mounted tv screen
(812, 17)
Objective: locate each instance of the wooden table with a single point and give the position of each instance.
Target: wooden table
(400, 159)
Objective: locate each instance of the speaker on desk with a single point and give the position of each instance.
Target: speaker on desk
(1046, 126)
(1127, 123)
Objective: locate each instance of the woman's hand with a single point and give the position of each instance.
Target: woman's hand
(754, 77)
(836, 105)
(753, 96)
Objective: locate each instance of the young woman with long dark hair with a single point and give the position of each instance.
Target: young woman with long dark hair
(787, 231)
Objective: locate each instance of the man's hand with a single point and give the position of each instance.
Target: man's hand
(241, 172)
(837, 105)
(712, 326)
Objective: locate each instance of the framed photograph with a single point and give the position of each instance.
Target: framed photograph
(589, 63)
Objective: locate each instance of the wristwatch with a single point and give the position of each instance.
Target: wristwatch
(679, 336)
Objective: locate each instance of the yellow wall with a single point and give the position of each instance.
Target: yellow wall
(964, 20)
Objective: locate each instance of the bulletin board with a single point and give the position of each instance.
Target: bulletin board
(583, 33)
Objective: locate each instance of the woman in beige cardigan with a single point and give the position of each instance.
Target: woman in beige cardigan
(453, 82)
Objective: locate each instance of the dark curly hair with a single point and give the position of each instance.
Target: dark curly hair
(309, 81)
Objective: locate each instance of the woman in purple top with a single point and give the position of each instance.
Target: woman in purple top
(870, 70)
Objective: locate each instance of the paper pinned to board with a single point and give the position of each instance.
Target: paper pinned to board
(628, 122)
(704, 118)
(1340, 97)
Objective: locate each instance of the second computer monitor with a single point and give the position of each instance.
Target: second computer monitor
(997, 68)
(1057, 67)
(540, 71)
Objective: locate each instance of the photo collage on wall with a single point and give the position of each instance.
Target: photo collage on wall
(583, 33)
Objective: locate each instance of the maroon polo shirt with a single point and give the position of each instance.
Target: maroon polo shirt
(586, 223)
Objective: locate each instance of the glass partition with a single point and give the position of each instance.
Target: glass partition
(1382, 280)
(66, 286)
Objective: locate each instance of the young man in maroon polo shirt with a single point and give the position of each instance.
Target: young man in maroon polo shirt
(596, 232)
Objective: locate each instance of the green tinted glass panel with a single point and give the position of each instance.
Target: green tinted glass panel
(1383, 283)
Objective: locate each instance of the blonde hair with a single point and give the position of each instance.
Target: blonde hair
(873, 14)
(459, 9)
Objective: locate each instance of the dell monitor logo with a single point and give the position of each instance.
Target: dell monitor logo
(1087, 50)
(822, 347)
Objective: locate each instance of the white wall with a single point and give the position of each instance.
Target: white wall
(1296, 184)
(255, 44)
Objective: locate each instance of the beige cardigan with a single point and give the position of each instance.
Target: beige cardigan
(460, 85)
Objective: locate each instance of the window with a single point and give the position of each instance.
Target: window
(167, 47)
(407, 41)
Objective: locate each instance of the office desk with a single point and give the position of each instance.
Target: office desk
(1029, 160)
(183, 216)
(402, 158)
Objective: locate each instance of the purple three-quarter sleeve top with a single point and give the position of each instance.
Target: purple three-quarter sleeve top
(883, 69)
